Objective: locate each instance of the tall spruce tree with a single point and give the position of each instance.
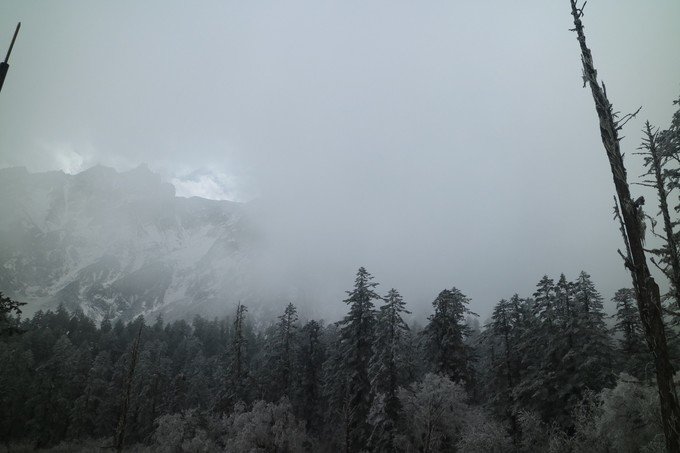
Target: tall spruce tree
(357, 331)
(592, 343)
(565, 359)
(336, 389)
(8, 309)
(634, 356)
(388, 370)
(545, 301)
(237, 388)
(444, 336)
(311, 356)
(565, 310)
(541, 350)
(49, 403)
(287, 332)
(501, 340)
(281, 370)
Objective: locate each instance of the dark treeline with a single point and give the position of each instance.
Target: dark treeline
(543, 374)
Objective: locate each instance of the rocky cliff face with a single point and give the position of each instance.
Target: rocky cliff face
(121, 244)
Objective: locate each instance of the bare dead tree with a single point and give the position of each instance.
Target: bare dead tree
(646, 289)
(122, 418)
(669, 259)
(239, 344)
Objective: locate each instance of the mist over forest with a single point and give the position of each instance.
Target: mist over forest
(321, 227)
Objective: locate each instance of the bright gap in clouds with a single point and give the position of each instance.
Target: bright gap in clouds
(208, 184)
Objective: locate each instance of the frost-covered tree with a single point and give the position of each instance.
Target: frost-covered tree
(434, 411)
(388, 370)
(10, 310)
(188, 430)
(481, 433)
(50, 400)
(548, 347)
(266, 427)
(592, 345)
(238, 370)
(280, 368)
(630, 417)
(152, 394)
(545, 301)
(624, 419)
(444, 336)
(502, 335)
(90, 413)
(661, 153)
(501, 344)
(634, 355)
(336, 387)
(541, 350)
(565, 309)
(357, 330)
(311, 356)
(566, 350)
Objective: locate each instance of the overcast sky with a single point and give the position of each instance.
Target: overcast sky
(437, 143)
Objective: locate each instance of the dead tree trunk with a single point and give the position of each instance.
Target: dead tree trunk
(4, 65)
(646, 289)
(122, 419)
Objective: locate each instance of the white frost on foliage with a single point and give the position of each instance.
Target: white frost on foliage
(434, 409)
(266, 427)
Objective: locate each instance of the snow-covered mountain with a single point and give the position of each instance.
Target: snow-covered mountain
(121, 244)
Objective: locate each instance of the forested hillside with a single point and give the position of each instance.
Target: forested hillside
(543, 373)
(119, 244)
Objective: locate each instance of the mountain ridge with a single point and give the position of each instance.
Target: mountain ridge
(120, 244)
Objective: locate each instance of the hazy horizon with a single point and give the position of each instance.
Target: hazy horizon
(437, 144)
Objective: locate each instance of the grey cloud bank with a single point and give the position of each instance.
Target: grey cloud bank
(437, 144)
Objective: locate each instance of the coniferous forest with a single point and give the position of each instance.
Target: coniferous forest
(547, 372)
(562, 369)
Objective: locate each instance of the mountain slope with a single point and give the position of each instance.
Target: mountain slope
(121, 244)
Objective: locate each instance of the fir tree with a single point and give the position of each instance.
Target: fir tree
(541, 349)
(504, 340)
(336, 388)
(356, 338)
(238, 372)
(90, 413)
(388, 370)
(310, 362)
(445, 334)
(501, 338)
(17, 385)
(284, 351)
(8, 309)
(635, 358)
(565, 311)
(545, 301)
(592, 343)
(49, 402)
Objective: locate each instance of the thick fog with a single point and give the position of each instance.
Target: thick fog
(438, 144)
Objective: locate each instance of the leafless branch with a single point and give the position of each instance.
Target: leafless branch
(627, 117)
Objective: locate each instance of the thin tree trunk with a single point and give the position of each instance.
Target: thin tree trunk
(646, 289)
(122, 419)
